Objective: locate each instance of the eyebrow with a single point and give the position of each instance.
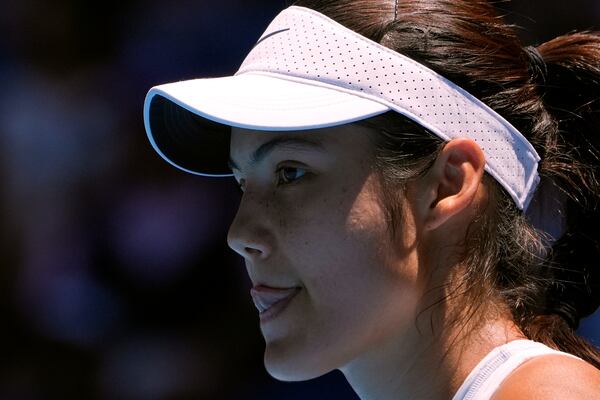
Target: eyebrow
(281, 142)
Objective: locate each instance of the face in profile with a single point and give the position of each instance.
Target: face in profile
(311, 218)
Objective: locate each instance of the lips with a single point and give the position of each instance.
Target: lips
(265, 297)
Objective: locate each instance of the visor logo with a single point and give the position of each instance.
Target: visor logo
(269, 35)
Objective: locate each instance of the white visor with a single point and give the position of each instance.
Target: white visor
(308, 71)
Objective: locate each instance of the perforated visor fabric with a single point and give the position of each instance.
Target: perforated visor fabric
(308, 49)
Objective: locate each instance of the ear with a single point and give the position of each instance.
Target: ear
(452, 183)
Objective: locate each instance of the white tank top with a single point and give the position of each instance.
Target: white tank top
(487, 376)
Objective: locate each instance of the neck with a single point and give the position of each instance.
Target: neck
(423, 366)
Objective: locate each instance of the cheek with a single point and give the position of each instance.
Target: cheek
(357, 292)
(306, 221)
(339, 236)
(346, 259)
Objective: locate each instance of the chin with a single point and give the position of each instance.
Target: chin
(291, 369)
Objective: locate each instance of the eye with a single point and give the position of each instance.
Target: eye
(287, 175)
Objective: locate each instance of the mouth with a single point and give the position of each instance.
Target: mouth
(270, 301)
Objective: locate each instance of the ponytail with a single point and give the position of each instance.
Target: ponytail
(568, 82)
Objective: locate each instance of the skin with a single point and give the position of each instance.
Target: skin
(311, 216)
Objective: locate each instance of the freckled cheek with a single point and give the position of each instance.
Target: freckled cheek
(338, 270)
(314, 214)
(329, 237)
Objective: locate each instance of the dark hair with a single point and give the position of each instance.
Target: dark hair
(550, 93)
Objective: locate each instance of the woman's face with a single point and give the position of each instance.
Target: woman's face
(311, 218)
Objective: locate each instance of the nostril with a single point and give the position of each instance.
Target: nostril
(247, 239)
(252, 251)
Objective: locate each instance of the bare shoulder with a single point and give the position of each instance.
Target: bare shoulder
(551, 377)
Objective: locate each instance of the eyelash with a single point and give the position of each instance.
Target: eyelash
(282, 180)
(240, 185)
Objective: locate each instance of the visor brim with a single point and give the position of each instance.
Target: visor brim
(188, 122)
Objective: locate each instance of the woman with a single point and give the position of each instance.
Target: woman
(422, 219)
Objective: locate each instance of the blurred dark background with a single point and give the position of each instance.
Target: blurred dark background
(116, 282)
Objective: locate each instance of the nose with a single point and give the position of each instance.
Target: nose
(248, 234)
